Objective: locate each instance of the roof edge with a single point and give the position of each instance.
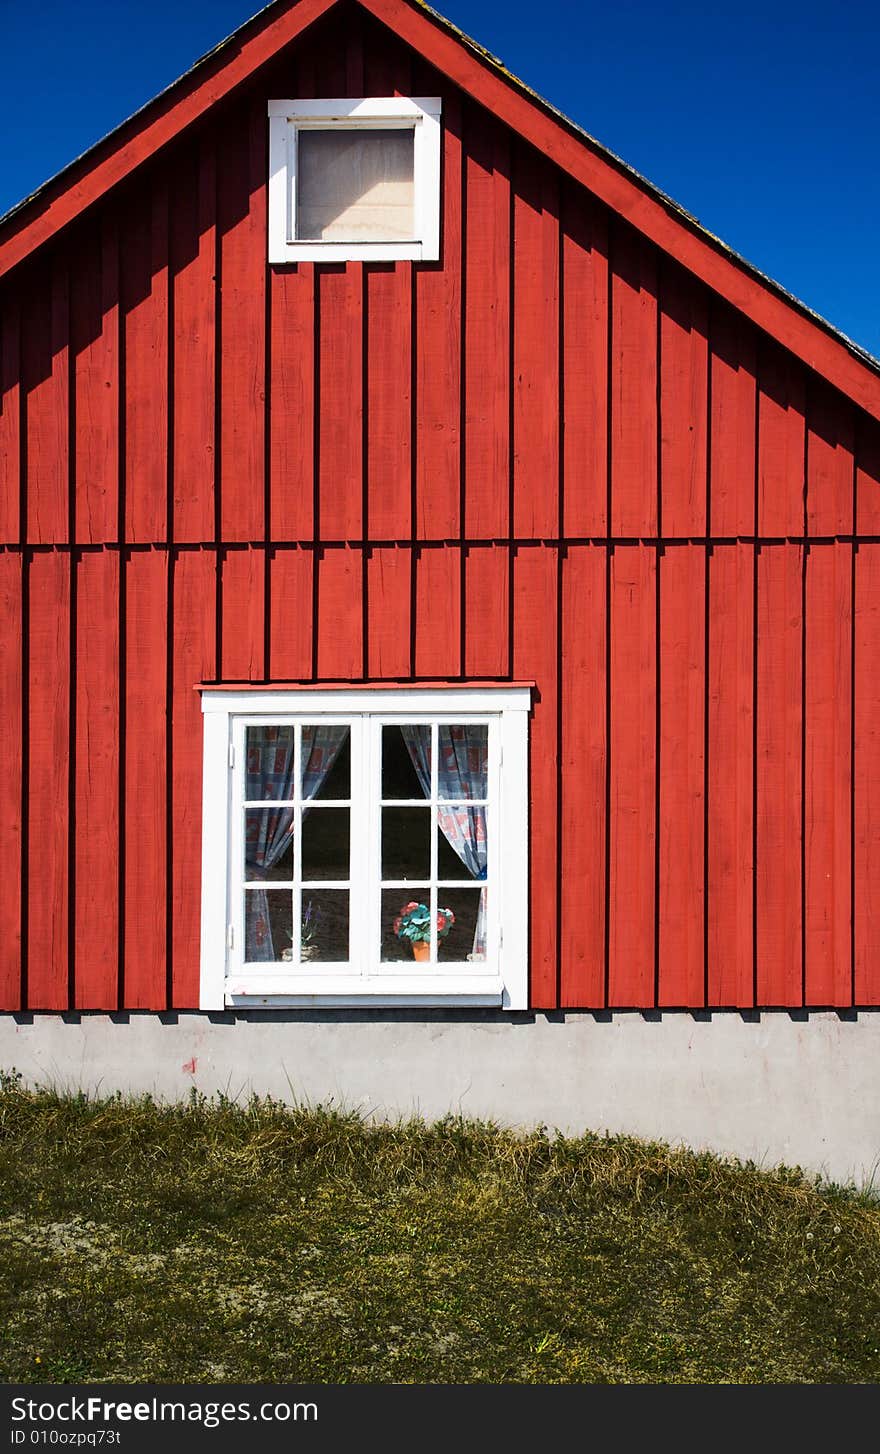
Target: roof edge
(675, 208)
(815, 341)
(84, 180)
(818, 343)
(115, 134)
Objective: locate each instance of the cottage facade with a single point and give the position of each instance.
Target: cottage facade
(375, 446)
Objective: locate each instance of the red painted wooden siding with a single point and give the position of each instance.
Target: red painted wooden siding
(551, 455)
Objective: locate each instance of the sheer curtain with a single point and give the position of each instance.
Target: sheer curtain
(269, 777)
(461, 773)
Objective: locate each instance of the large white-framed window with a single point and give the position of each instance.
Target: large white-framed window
(365, 846)
(354, 178)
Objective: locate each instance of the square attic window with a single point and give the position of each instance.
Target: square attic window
(354, 178)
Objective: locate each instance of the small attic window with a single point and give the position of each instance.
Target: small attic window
(354, 178)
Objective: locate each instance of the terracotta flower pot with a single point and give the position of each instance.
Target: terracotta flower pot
(421, 949)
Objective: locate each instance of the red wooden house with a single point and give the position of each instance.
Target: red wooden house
(379, 452)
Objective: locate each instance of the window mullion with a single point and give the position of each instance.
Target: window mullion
(236, 904)
(432, 896)
(296, 906)
(363, 870)
(494, 828)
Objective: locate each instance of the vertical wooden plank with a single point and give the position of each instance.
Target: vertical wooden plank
(827, 775)
(439, 354)
(339, 623)
(354, 55)
(633, 425)
(388, 613)
(388, 395)
(731, 775)
(535, 347)
(633, 752)
(339, 317)
(486, 611)
(584, 364)
(290, 615)
(781, 433)
(145, 746)
(866, 766)
(734, 414)
(193, 262)
(193, 660)
(329, 63)
(779, 926)
(45, 365)
(437, 631)
(94, 307)
(291, 386)
(535, 658)
(868, 476)
(96, 789)
(866, 795)
(242, 343)
(487, 329)
(388, 67)
(681, 908)
(341, 402)
(10, 779)
(830, 473)
(242, 615)
(583, 757)
(10, 420)
(48, 748)
(144, 273)
(684, 402)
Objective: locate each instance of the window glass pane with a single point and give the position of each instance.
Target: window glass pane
(463, 760)
(406, 762)
(324, 926)
(466, 938)
(268, 924)
(406, 843)
(405, 923)
(355, 186)
(326, 762)
(461, 842)
(325, 843)
(269, 771)
(268, 844)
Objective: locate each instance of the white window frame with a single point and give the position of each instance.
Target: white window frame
(503, 980)
(288, 118)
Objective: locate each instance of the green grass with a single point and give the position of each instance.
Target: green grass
(216, 1242)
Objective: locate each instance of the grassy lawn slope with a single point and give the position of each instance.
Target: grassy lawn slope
(221, 1242)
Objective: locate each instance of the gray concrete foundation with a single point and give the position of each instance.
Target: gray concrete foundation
(800, 1089)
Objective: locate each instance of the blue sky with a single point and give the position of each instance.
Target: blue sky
(762, 119)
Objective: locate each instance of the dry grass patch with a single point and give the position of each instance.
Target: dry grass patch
(212, 1241)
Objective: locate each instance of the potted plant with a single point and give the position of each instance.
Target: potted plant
(413, 924)
(311, 918)
(308, 948)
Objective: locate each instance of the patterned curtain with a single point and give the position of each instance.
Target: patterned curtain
(320, 749)
(269, 777)
(462, 769)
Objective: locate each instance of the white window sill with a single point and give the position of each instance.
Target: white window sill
(383, 990)
(336, 252)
